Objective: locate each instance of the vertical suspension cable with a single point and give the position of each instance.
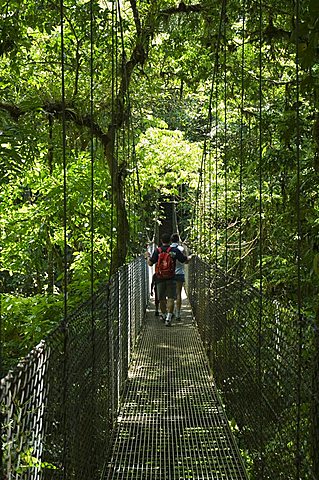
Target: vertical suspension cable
(216, 70)
(210, 191)
(113, 96)
(216, 178)
(92, 150)
(64, 162)
(130, 188)
(117, 128)
(1, 375)
(227, 337)
(197, 209)
(209, 135)
(199, 204)
(210, 200)
(204, 223)
(126, 190)
(2, 474)
(197, 212)
(260, 254)
(93, 458)
(241, 162)
(126, 100)
(138, 185)
(216, 306)
(194, 218)
(299, 233)
(241, 148)
(65, 280)
(260, 152)
(225, 144)
(209, 124)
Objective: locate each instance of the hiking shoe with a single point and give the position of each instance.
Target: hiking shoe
(157, 313)
(178, 319)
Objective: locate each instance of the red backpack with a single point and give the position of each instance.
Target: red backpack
(165, 266)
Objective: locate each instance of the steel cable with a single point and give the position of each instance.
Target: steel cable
(299, 234)
(242, 101)
(65, 280)
(260, 253)
(93, 459)
(198, 194)
(225, 153)
(113, 122)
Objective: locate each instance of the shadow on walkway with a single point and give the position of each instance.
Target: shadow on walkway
(171, 424)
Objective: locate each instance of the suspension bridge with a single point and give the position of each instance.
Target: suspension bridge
(230, 392)
(112, 393)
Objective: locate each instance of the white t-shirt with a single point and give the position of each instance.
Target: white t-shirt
(179, 269)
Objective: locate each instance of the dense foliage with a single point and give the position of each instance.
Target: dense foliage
(119, 104)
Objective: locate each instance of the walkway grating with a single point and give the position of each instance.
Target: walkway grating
(171, 424)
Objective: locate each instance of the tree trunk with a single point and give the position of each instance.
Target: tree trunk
(121, 221)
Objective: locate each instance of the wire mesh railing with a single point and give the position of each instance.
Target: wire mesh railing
(59, 404)
(263, 359)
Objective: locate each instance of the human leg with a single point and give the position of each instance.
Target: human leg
(171, 295)
(163, 306)
(156, 303)
(161, 296)
(170, 310)
(170, 305)
(179, 286)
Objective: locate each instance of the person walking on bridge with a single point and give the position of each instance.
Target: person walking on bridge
(179, 276)
(164, 258)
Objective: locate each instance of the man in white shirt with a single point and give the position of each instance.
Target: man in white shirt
(179, 276)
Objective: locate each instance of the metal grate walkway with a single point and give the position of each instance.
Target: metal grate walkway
(171, 424)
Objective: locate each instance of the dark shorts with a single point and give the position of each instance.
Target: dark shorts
(180, 277)
(166, 289)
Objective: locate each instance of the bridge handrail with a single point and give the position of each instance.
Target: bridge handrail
(263, 360)
(59, 404)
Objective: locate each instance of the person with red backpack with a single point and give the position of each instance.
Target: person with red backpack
(164, 258)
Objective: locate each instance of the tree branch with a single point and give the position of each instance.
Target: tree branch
(14, 111)
(55, 110)
(183, 8)
(136, 17)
